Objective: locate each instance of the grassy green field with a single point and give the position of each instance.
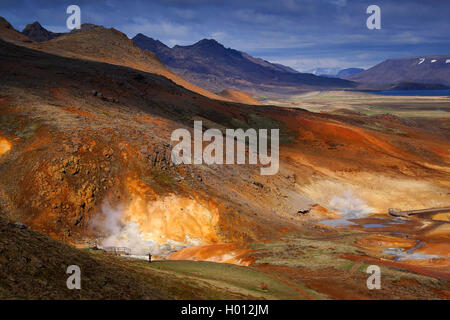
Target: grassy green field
(247, 281)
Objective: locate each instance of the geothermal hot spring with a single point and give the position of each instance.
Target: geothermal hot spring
(349, 207)
(171, 223)
(159, 227)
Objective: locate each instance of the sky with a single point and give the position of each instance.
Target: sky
(302, 34)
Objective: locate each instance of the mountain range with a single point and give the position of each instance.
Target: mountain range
(324, 71)
(423, 69)
(210, 65)
(334, 72)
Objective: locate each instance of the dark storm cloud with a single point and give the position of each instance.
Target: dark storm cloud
(303, 34)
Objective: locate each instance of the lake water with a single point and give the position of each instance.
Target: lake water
(415, 93)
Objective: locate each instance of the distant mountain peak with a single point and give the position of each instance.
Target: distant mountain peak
(148, 40)
(143, 36)
(35, 24)
(33, 27)
(35, 31)
(208, 43)
(321, 71)
(432, 69)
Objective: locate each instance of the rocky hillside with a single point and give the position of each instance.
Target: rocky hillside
(112, 46)
(103, 134)
(33, 266)
(7, 32)
(96, 43)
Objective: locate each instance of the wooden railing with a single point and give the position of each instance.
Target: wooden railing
(407, 213)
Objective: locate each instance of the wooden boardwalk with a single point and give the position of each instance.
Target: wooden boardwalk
(396, 213)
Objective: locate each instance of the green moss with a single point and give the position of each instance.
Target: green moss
(260, 98)
(163, 178)
(379, 127)
(348, 265)
(9, 122)
(161, 181)
(23, 129)
(28, 131)
(363, 268)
